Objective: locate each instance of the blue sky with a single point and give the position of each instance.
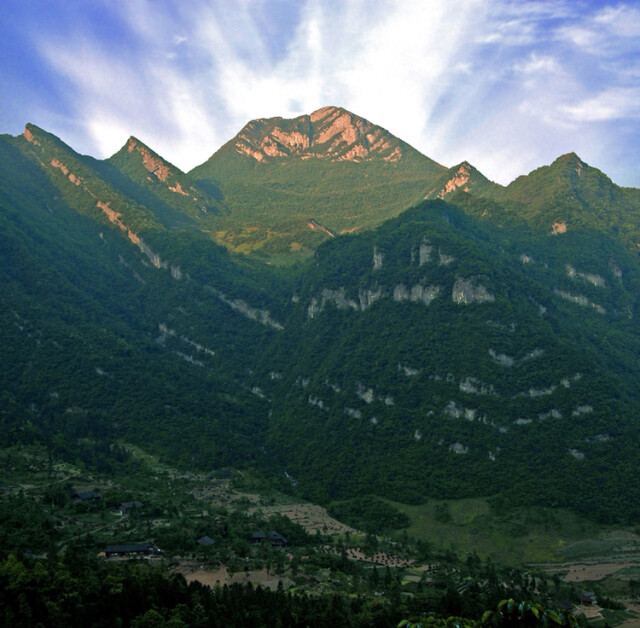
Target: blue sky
(506, 85)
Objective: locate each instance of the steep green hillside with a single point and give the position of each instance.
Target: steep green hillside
(485, 346)
(438, 356)
(568, 195)
(151, 180)
(101, 343)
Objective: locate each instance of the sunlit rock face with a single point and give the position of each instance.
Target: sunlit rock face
(329, 133)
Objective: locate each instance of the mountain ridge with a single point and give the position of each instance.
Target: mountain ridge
(297, 158)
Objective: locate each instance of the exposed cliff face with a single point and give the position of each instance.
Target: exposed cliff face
(261, 316)
(329, 133)
(316, 226)
(157, 166)
(154, 164)
(467, 291)
(462, 177)
(464, 292)
(28, 135)
(459, 180)
(95, 189)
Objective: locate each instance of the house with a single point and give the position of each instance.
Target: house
(274, 538)
(277, 540)
(131, 550)
(221, 474)
(588, 598)
(205, 540)
(564, 605)
(84, 496)
(125, 507)
(257, 537)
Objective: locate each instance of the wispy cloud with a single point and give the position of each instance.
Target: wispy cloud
(610, 30)
(507, 85)
(612, 104)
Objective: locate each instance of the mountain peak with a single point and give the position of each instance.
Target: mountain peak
(571, 167)
(152, 162)
(330, 133)
(28, 133)
(35, 135)
(569, 157)
(463, 177)
(569, 160)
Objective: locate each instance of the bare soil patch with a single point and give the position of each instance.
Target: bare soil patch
(312, 518)
(590, 612)
(584, 572)
(379, 558)
(221, 576)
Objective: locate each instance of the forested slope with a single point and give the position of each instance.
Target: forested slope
(482, 345)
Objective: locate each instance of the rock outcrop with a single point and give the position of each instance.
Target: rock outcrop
(330, 133)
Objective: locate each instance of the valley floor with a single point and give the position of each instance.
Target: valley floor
(443, 562)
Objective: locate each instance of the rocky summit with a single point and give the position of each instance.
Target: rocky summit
(329, 133)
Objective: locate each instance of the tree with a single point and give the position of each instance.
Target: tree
(510, 613)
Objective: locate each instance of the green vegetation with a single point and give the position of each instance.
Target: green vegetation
(50, 572)
(270, 201)
(73, 593)
(568, 194)
(458, 400)
(369, 514)
(436, 354)
(270, 205)
(532, 534)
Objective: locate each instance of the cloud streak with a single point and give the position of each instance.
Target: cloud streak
(506, 85)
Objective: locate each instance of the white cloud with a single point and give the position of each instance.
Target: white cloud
(612, 104)
(611, 31)
(500, 83)
(537, 63)
(582, 37)
(621, 20)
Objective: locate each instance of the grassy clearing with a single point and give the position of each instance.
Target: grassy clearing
(152, 462)
(588, 547)
(524, 535)
(615, 618)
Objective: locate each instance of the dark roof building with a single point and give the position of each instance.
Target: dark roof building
(205, 540)
(84, 496)
(132, 549)
(276, 539)
(564, 605)
(125, 507)
(273, 537)
(257, 537)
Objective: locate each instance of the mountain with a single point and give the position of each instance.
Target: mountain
(99, 324)
(467, 345)
(570, 194)
(438, 354)
(330, 134)
(564, 196)
(281, 178)
(462, 177)
(289, 185)
(159, 183)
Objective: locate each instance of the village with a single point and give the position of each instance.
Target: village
(228, 528)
